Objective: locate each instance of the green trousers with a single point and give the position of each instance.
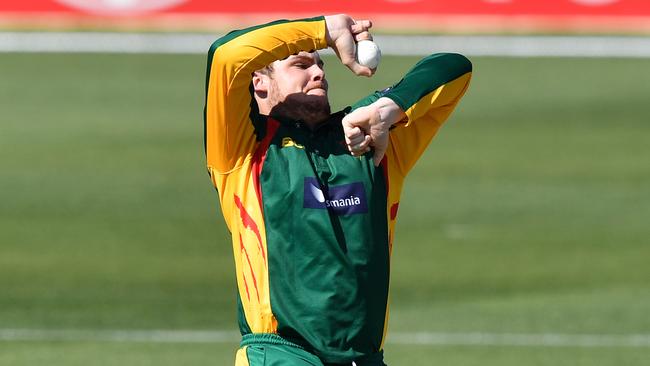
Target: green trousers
(272, 350)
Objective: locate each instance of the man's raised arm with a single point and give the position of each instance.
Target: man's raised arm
(229, 133)
(229, 109)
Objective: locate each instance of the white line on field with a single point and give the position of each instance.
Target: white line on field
(402, 338)
(198, 43)
(146, 336)
(518, 339)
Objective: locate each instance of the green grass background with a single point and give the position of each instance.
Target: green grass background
(528, 214)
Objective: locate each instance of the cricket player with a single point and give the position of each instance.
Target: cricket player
(309, 196)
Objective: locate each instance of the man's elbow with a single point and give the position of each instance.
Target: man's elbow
(453, 63)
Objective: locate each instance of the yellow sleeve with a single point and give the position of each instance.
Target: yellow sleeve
(230, 136)
(409, 139)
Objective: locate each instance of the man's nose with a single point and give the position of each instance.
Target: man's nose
(318, 73)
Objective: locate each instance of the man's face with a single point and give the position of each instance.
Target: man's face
(298, 85)
(301, 73)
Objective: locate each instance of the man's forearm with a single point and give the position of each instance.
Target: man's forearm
(253, 48)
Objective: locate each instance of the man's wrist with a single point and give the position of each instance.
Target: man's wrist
(333, 25)
(389, 111)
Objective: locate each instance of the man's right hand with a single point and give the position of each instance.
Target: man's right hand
(343, 33)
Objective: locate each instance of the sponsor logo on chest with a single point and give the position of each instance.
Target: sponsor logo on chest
(345, 199)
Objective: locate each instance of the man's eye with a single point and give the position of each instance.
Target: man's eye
(302, 65)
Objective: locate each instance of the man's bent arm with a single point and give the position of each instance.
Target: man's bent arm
(427, 94)
(229, 133)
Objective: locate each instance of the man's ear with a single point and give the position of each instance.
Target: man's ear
(260, 83)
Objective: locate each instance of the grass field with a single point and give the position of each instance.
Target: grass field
(528, 215)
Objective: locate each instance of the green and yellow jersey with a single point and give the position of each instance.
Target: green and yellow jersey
(312, 226)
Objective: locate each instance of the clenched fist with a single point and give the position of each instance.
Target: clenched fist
(368, 127)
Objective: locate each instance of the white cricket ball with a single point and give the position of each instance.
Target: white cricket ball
(368, 54)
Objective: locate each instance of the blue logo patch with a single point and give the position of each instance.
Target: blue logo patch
(346, 199)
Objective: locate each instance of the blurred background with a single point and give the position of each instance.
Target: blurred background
(523, 236)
